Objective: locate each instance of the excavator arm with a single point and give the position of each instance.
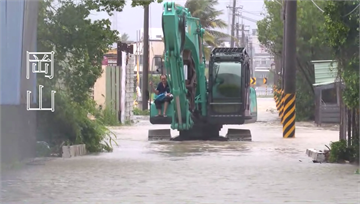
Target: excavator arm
(199, 108)
(185, 64)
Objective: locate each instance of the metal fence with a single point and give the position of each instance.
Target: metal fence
(265, 93)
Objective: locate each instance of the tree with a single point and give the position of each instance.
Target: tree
(210, 20)
(115, 5)
(124, 37)
(205, 10)
(311, 45)
(342, 29)
(79, 46)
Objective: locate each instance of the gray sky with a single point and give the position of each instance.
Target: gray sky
(131, 19)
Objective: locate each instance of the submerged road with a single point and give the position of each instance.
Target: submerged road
(269, 170)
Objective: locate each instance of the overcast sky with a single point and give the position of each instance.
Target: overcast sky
(131, 19)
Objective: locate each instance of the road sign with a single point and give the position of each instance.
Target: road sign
(265, 80)
(253, 80)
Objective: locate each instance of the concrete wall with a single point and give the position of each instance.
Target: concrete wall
(18, 20)
(129, 89)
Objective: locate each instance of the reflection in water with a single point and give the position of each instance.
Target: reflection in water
(266, 170)
(197, 148)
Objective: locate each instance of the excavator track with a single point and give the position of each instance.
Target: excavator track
(201, 132)
(159, 135)
(239, 135)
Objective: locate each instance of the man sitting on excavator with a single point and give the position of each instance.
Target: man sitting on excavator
(163, 95)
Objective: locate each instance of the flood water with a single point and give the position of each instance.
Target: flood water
(267, 170)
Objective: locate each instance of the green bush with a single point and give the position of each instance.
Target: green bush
(138, 111)
(109, 116)
(70, 125)
(155, 79)
(339, 151)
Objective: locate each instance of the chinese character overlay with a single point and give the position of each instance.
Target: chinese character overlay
(40, 63)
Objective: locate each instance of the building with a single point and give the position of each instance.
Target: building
(156, 48)
(18, 20)
(262, 60)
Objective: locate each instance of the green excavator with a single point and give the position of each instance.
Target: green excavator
(201, 106)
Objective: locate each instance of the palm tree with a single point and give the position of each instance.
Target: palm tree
(206, 11)
(124, 37)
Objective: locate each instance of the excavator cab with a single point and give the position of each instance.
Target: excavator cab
(228, 88)
(155, 73)
(159, 70)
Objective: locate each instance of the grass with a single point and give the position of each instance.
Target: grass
(138, 111)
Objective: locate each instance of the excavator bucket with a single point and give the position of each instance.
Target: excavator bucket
(160, 134)
(238, 135)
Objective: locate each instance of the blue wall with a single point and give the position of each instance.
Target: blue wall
(11, 46)
(11, 51)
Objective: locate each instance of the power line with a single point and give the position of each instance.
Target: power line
(320, 9)
(348, 14)
(352, 11)
(278, 2)
(253, 13)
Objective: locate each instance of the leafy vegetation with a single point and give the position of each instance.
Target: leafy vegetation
(210, 20)
(342, 31)
(79, 44)
(340, 152)
(138, 111)
(333, 35)
(124, 37)
(310, 46)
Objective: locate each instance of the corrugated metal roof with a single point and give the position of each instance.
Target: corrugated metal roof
(325, 71)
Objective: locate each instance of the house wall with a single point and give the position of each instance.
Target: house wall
(330, 114)
(155, 48)
(325, 71)
(18, 20)
(100, 88)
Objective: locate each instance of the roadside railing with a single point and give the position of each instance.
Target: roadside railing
(264, 93)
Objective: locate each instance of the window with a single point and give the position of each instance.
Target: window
(263, 61)
(257, 63)
(226, 80)
(157, 62)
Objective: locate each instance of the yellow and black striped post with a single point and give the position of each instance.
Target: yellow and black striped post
(281, 105)
(289, 76)
(277, 101)
(289, 116)
(275, 93)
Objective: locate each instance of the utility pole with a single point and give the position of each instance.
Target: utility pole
(237, 34)
(242, 35)
(290, 73)
(283, 46)
(233, 24)
(251, 59)
(277, 69)
(145, 72)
